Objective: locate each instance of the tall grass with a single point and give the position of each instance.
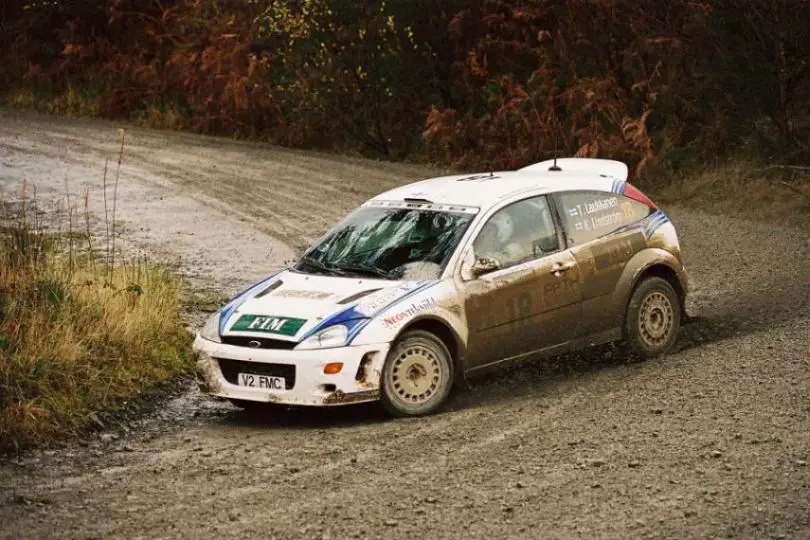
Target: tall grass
(742, 188)
(77, 336)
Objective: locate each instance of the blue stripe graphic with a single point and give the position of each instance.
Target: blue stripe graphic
(241, 298)
(356, 321)
(407, 295)
(653, 224)
(656, 220)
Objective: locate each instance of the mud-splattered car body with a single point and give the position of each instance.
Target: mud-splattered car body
(545, 259)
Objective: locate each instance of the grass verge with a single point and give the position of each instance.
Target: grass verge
(743, 189)
(78, 335)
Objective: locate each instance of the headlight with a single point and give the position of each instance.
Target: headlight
(334, 336)
(211, 329)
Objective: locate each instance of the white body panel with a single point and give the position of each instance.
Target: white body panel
(606, 167)
(390, 310)
(310, 381)
(290, 307)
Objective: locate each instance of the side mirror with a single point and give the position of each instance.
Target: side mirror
(484, 265)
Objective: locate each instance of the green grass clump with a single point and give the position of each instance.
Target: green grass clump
(78, 335)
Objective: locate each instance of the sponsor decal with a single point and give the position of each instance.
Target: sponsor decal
(628, 210)
(596, 223)
(358, 317)
(606, 221)
(457, 208)
(598, 214)
(310, 295)
(601, 205)
(410, 311)
(268, 324)
(376, 302)
(608, 254)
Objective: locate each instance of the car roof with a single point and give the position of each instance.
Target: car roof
(484, 190)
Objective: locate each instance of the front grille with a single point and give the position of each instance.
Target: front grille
(264, 343)
(232, 368)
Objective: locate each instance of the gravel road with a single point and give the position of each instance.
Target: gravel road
(712, 441)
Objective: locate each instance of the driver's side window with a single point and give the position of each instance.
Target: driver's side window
(517, 233)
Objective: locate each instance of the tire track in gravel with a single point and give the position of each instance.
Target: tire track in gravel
(288, 179)
(409, 458)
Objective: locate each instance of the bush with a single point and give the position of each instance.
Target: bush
(78, 335)
(470, 83)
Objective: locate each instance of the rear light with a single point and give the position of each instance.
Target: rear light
(634, 193)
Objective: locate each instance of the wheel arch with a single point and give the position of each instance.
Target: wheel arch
(444, 332)
(669, 275)
(652, 262)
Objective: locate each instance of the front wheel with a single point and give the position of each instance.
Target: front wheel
(417, 376)
(653, 318)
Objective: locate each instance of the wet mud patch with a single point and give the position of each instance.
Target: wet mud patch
(280, 416)
(538, 377)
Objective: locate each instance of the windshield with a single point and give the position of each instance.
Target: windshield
(389, 243)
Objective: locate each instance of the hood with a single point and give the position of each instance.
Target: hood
(290, 305)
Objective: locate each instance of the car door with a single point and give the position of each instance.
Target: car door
(532, 300)
(604, 232)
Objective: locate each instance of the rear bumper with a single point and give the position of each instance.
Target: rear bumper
(358, 381)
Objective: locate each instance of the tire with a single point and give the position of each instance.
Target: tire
(653, 318)
(418, 362)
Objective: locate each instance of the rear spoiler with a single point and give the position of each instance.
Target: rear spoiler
(603, 167)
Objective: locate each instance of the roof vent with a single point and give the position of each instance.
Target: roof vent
(357, 296)
(275, 285)
(490, 176)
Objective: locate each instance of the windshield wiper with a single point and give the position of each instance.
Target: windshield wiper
(367, 269)
(315, 263)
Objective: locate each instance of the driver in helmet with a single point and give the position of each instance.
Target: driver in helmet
(497, 240)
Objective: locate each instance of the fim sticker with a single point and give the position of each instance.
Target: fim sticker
(268, 324)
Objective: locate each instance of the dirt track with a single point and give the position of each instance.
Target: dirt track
(711, 441)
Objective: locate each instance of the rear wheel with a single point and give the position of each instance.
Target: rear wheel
(417, 376)
(653, 318)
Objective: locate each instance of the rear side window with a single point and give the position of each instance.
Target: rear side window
(587, 215)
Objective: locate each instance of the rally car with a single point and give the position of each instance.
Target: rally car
(429, 283)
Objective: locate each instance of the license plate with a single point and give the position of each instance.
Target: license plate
(262, 381)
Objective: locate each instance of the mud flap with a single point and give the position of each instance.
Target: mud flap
(460, 377)
(691, 319)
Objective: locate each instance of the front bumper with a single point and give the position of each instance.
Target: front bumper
(307, 384)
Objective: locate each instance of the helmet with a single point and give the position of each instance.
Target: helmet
(503, 226)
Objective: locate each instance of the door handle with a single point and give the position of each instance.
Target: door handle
(561, 267)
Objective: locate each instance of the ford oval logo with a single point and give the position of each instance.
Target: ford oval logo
(255, 344)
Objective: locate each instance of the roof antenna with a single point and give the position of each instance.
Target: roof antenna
(555, 167)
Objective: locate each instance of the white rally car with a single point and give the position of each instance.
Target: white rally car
(428, 283)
